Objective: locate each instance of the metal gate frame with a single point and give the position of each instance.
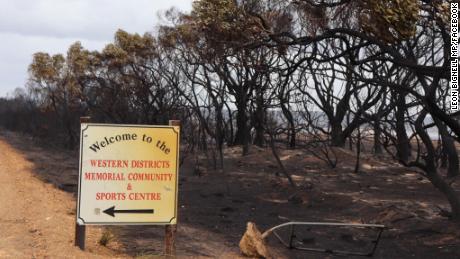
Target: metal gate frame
(292, 225)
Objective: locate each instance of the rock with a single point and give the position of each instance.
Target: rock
(252, 244)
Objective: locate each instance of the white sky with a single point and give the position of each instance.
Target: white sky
(29, 26)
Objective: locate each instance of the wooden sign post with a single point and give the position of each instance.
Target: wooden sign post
(170, 230)
(80, 230)
(128, 176)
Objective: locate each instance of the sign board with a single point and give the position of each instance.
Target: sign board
(128, 174)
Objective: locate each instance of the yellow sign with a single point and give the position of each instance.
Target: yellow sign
(128, 174)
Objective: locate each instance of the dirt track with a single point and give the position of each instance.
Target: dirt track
(36, 220)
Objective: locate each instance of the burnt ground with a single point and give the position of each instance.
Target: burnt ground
(216, 205)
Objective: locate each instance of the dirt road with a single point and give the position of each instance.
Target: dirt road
(36, 220)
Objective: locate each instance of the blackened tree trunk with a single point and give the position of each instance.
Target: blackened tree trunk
(403, 144)
(241, 124)
(446, 189)
(242, 136)
(220, 134)
(337, 138)
(358, 151)
(259, 120)
(291, 126)
(448, 149)
(431, 172)
(230, 136)
(350, 138)
(378, 150)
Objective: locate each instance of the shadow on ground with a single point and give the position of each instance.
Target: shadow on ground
(214, 206)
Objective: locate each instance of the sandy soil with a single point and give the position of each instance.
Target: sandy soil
(36, 219)
(37, 185)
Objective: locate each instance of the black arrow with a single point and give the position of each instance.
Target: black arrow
(111, 211)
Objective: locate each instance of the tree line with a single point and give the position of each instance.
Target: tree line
(309, 74)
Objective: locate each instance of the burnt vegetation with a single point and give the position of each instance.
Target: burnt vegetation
(305, 74)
